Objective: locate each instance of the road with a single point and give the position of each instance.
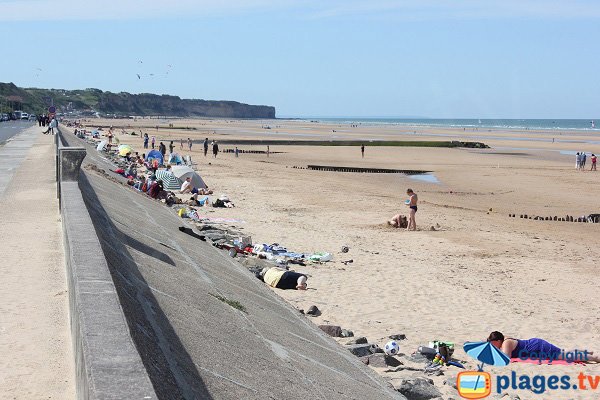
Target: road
(10, 128)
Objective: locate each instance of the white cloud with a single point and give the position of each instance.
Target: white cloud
(26, 10)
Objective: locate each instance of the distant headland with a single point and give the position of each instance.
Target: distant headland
(97, 102)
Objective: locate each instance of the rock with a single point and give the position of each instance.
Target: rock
(313, 310)
(417, 389)
(417, 358)
(331, 330)
(347, 333)
(345, 249)
(432, 228)
(361, 350)
(358, 340)
(380, 360)
(398, 336)
(451, 381)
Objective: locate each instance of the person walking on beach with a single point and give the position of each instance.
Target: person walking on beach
(146, 138)
(268, 151)
(190, 144)
(171, 147)
(163, 149)
(362, 150)
(153, 141)
(215, 148)
(583, 159)
(412, 204)
(593, 158)
(205, 144)
(181, 144)
(237, 152)
(577, 161)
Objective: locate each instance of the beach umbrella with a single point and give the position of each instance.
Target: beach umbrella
(154, 155)
(486, 353)
(182, 172)
(102, 145)
(124, 149)
(170, 181)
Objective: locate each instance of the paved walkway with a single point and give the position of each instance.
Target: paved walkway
(35, 341)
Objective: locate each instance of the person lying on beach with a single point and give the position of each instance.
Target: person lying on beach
(282, 279)
(536, 348)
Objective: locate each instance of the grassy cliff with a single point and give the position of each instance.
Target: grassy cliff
(34, 100)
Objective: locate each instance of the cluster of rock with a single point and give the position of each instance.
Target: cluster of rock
(371, 354)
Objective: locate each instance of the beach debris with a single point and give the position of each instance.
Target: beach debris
(346, 333)
(358, 340)
(380, 360)
(314, 311)
(347, 262)
(432, 228)
(417, 388)
(398, 336)
(345, 249)
(361, 350)
(331, 330)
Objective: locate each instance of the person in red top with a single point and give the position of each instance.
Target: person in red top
(593, 162)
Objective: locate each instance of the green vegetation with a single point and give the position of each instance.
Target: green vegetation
(233, 303)
(34, 100)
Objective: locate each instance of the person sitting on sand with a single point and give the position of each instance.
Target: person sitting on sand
(187, 187)
(412, 204)
(283, 279)
(156, 191)
(398, 221)
(535, 348)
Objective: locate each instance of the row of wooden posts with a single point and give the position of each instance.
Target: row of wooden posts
(567, 218)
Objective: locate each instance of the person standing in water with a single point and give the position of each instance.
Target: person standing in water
(412, 204)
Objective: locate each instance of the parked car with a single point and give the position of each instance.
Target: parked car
(24, 115)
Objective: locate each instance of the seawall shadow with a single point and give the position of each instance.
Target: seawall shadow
(169, 365)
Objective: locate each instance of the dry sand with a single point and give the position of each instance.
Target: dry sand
(36, 360)
(479, 271)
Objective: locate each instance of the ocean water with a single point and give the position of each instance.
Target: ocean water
(534, 124)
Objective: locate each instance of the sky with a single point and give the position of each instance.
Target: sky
(337, 58)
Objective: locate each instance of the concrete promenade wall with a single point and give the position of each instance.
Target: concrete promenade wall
(175, 291)
(107, 363)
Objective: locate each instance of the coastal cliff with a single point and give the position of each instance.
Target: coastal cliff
(34, 100)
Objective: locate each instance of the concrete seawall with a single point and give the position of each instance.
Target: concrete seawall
(192, 344)
(107, 363)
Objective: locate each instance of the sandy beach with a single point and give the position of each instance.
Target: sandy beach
(468, 270)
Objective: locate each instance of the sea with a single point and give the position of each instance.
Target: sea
(517, 124)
